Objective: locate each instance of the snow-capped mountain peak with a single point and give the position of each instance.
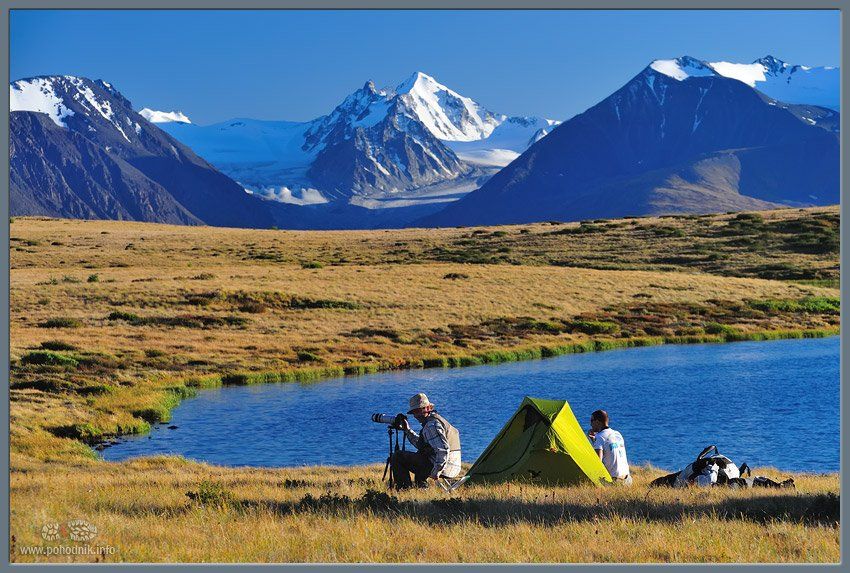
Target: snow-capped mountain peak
(771, 64)
(39, 95)
(416, 134)
(444, 112)
(682, 68)
(362, 108)
(155, 116)
(418, 79)
(77, 100)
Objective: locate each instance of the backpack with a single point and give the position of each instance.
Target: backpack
(709, 468)
(712, 468)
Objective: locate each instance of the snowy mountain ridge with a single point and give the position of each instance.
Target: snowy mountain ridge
(78, 149)
(448, 137)
(71, 99)
(155, 116)
(794, 84)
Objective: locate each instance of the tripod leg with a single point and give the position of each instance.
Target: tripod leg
(388, 467)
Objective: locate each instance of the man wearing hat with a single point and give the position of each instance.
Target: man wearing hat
(437, 447)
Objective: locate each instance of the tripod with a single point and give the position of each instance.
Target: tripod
(392, 432)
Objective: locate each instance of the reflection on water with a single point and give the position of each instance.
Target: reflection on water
(767, 403)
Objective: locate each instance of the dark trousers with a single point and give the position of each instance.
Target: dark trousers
(404, 462)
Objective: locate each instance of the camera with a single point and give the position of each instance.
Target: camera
(389, 419)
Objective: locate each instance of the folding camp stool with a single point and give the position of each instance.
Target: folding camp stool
(450, 484)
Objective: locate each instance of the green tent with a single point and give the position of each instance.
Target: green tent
(541, 443)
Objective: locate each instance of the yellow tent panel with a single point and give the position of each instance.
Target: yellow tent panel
(541, 443)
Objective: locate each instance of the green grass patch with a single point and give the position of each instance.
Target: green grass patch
(278, 300)
(717, 328)
(306, 356)
(594, 326)
(49, 358)
(812, 304)
(126, 316)
(57, 345)
(210, 494)
(182, 320)
(61, 322)
(368, 332)
(823, 283)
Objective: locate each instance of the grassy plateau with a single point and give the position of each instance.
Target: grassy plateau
(113, 323)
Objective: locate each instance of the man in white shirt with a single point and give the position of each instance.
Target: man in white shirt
(610, 446)
(437, 445)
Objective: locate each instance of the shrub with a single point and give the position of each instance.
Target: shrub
(236, 379)
(455, 276)
(252, 307)
(122, 315)
(203, 277)
(210, 494)
(57, 345)
(594, 326)
(306, 356)
(724, 329)
(62, 322)
(749, 218)
(93, 278)
(150, 415)
(305, 303)
(384, 332)
(668, 232)
(327, 502)
(48, 358)
(85, 432)
(436, 362)
(311, 265)
(816, 304)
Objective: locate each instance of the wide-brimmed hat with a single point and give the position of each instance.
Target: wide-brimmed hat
(419, 401)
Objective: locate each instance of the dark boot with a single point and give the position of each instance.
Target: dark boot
(401, 476)
(404, 462)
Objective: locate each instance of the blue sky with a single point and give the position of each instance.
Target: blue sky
(216, 65)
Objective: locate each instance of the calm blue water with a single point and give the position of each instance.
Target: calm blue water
(766, 403)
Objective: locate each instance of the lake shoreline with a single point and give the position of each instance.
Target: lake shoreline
(188, 387)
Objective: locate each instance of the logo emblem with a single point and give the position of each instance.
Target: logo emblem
(81, 530)
(50, 532)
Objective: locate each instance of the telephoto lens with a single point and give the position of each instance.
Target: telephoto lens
(388, 419)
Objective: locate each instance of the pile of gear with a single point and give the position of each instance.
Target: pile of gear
(711, 468)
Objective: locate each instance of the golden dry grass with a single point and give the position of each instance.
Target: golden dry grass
(200, 303)
(141, 509)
